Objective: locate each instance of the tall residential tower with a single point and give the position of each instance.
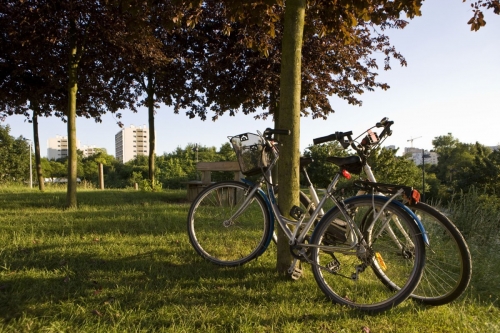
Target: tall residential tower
(58, 147)
(131, 142)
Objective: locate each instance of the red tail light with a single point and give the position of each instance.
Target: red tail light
(346, 174)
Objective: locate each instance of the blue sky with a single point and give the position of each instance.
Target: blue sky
(451, 85)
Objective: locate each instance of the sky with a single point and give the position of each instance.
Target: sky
(450, 85)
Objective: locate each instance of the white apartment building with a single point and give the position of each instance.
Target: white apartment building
(89, 150)
(58, 147)
(131, 142)
(416, 155)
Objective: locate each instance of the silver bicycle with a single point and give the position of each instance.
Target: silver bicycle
(448, 266)
(349, 248)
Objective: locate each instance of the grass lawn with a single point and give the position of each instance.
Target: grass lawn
(122, 262)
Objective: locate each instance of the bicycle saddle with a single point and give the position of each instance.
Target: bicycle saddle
(352, 164)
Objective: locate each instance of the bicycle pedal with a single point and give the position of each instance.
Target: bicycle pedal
(296, 274)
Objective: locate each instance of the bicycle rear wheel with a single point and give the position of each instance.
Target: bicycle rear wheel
(348, 272)
(448, 267)
(222, 237)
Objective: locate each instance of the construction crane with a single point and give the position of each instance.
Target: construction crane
(411, 140)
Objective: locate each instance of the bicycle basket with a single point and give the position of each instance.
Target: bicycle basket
(249, 151)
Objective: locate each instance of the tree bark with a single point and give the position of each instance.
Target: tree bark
(289, 118)
(71, 115)
(36, 141)
(151, 123)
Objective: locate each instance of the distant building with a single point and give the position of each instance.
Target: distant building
(411, 150)
(90, 150)
(58, 147)
(416, 155)
(131, 142)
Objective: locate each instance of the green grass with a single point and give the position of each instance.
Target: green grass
(122, 262)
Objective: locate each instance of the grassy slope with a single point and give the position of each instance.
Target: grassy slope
(123, 262)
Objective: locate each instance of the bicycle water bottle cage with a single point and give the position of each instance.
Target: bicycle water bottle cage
(410, 194)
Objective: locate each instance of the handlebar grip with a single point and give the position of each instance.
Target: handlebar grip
(282, 132)
(279, 131)
(337, 136)
(382, 123)
(323, 139)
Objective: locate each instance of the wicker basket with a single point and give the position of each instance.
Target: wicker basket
(249, 149)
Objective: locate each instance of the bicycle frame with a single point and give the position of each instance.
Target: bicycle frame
(297, 235)
(301, 228)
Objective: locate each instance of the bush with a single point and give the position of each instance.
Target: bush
(477, 215)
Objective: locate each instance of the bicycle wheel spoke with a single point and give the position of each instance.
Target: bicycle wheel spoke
(448, 264)
(382, 271)
(226, 228)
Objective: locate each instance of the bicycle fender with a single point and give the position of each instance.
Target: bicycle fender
(410, 212)
(269, 212)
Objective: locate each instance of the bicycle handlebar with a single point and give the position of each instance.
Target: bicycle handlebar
(269, 132)
(337, 136)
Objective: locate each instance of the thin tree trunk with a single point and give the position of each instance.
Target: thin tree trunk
(151, 122)
(71, 125)
(289, 118)
(36, 141)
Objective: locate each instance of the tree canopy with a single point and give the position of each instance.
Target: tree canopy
(219, 56)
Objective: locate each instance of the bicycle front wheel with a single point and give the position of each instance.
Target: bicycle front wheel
(226, 227)
(348, 269)
(448, 265)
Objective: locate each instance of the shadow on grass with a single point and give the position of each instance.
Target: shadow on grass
(44, 279)
(126, 251)
(97, 198)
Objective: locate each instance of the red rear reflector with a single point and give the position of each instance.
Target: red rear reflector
(415, 195)
(346, 174)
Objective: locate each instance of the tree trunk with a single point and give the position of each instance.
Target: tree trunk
(151, 122)
(289, 118)
(36, 141)
(71, 115)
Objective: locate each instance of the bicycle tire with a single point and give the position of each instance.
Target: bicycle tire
(220, 239)
(402, 266)
(448, 266)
